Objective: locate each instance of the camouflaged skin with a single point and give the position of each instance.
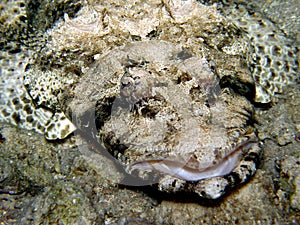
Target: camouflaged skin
(271, 56)
(166, 105)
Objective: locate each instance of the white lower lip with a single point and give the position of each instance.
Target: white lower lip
(184, 172)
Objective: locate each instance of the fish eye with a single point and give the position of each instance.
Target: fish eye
(126, 82)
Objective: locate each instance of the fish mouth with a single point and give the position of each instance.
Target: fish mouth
(182, 170)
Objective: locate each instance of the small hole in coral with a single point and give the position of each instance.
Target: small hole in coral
(268, 61)
(23, 19)
(29, 119)
(276, 50)
(16, 117)
(287, 67)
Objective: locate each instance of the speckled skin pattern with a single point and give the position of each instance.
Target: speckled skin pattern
(19, 47)
(272, 57)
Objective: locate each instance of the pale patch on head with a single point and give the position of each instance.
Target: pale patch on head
(212, 188)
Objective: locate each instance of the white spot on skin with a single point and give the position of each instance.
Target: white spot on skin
(59, 127)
